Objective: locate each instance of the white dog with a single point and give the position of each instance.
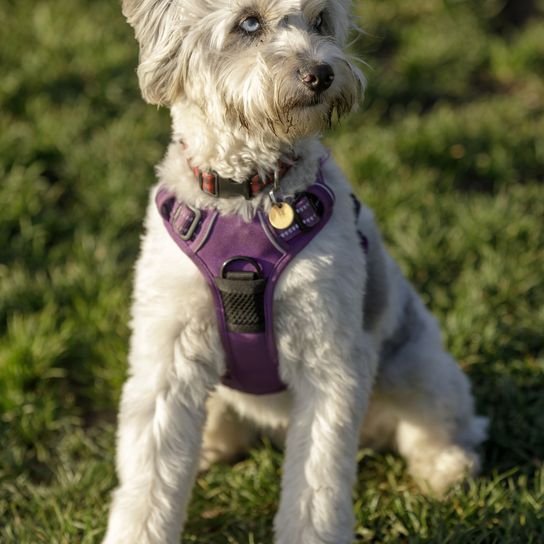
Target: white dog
(251, 84)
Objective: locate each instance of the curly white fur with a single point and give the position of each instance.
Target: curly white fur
(238, 104)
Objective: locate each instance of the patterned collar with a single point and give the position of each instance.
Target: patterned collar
(213, 184)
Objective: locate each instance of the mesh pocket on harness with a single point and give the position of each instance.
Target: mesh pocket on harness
(242, 295)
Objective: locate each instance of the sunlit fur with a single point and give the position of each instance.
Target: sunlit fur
(354, 339)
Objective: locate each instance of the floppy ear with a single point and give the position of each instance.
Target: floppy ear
(157, 26)
(342, 19)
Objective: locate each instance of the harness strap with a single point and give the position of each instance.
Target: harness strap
(242, 263)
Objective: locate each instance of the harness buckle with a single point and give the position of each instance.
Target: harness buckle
(197, 214)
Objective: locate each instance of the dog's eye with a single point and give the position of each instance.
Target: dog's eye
(318, 22)
(250, 25)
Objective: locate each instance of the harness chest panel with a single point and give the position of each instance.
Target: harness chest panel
(242, 263)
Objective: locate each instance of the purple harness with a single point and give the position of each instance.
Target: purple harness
(242, 263)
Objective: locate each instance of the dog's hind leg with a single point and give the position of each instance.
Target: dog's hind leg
(226, 435)
(437, 429)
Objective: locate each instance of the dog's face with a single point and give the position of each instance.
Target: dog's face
(275, 68)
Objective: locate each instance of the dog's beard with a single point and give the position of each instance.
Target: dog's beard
(304, 114)
(279, 106)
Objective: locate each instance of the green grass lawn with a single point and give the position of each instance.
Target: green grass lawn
(448, 149)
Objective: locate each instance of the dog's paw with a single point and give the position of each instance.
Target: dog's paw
(208, 457)
(439, 472)
(211, 455)
(319, 516)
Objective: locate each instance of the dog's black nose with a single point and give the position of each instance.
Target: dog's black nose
(318, 77)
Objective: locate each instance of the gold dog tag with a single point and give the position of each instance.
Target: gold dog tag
(281, 215)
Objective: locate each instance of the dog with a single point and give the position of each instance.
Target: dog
(251, 85)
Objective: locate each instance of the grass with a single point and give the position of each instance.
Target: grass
(449, 151)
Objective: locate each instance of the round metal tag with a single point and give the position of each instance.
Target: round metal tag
(281, 215)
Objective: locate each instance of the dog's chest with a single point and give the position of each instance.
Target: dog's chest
(318, 294)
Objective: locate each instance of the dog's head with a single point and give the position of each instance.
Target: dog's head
(276, 68)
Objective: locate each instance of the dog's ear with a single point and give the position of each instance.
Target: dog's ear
(343, 20)
(158, 29)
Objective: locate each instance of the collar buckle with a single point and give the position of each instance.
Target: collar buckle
(209, 182)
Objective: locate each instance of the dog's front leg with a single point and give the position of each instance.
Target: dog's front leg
(160, 432)
(320, 464)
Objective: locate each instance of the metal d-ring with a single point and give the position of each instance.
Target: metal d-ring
(249, 260)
